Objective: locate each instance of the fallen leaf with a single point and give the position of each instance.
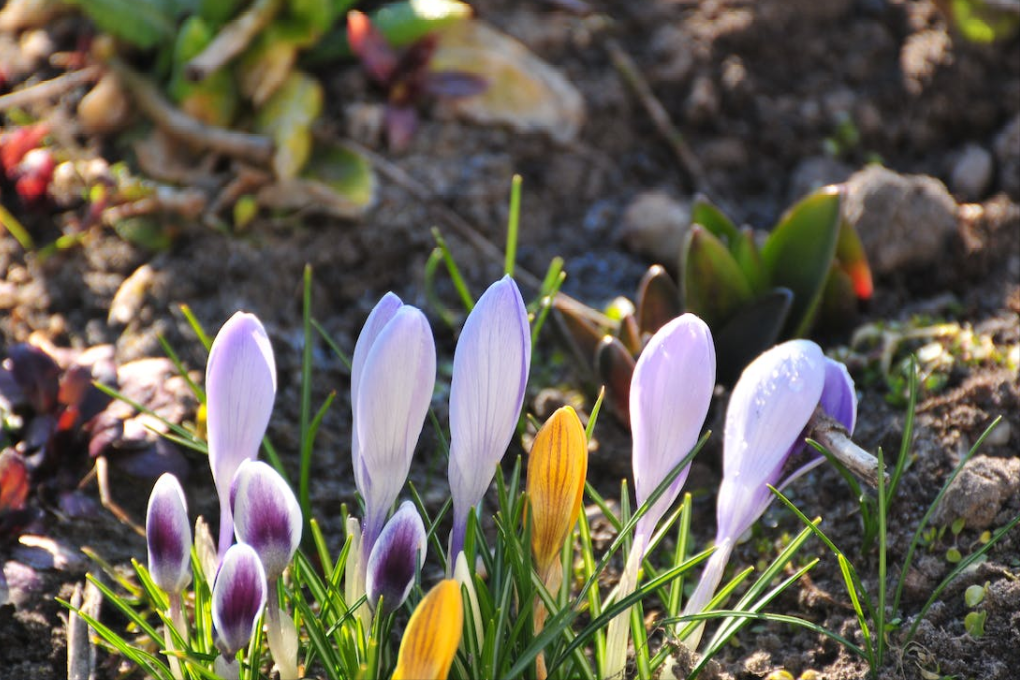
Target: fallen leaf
(524, 92)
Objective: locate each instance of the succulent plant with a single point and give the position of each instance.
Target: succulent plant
(810, 271)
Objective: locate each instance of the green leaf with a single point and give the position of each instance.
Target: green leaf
(853, 260)
(142, 23)
(837, 310)
(974, 595)
(745, 252)
(287, 117)
(750, 331)
(712, 218)
(974, 623)
(345, 171)
(714, 288)
(799, 252)
(212, 100)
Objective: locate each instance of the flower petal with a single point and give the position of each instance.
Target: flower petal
(432, 636)
(490, 373)
(556, 472)
(238, 597)
(266, 515)
(397, 556)
(669, 397)
(839, 398)
(168, 535)
(768, 410)
(381, 314)
(394, 394)
(240, 383)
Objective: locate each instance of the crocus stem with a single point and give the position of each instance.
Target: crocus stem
(278, 634)
(176, 616)
(618, 635)
(226, 526)
(707, 586)
(552, 584)
(456, 538)
(227, 669)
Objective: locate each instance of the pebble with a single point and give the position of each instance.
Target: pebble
(903, 220)
(655, 225)
(978, 493)
(972, 173)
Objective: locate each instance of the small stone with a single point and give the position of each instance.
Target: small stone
(655, 225)
(977, 494)
(972, 173)
(904, 221)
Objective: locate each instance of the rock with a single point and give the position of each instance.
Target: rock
(655, 225)
(978, 493)
(702, 103)
(903, 220)
(972, 173)
(1007, 153)
(814, 173)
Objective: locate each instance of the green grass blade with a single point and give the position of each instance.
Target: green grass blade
(513, 225)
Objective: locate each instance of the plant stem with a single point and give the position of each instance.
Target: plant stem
(831, 434)
(617, 635)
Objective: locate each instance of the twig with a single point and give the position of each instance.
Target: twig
(255, 148)
(49, 89)
(232, 39)
(831, 434)
(631, 75)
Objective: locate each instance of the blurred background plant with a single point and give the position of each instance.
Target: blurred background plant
(231, 96)
(809, 273)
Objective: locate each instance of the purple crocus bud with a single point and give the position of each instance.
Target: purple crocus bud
(168, 534)
(490, 373)
(394, 392)
(238, 596)
(240, 383)
(764, 440)
(669, 397)
(266, 515)
(397, 556)
(381, 314)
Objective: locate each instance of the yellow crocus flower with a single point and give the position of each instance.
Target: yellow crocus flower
(556, 471)
(432, 635)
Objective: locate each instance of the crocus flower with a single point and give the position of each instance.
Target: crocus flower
(266, 515)
(394, 384)
(396, 557)
(556, 471)
(669, 397)
(168, 534)
(240, 383)
(432, 636)
(490, 373)
(766, 424)
(238, 596)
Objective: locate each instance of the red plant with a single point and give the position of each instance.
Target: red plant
(405, 76)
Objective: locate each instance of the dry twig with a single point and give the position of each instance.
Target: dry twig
(631, 75)
(232, 39)
(48, 89)
(255, 148)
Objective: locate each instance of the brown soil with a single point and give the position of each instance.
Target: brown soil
(756, 88)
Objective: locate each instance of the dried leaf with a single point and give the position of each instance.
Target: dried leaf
(13, 481)
(524, 92)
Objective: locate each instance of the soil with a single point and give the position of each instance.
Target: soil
(756, 88)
